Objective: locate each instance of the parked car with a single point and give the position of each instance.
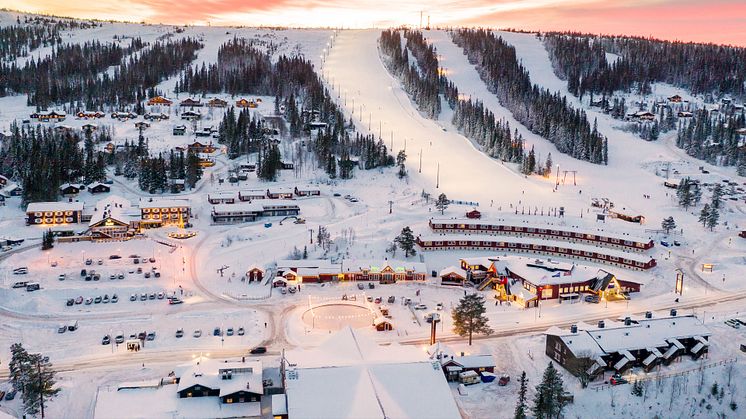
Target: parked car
(370, 299)
(83, 272)
(216, 332)
(142, 335)
(151, 296)
(88, 301)
(283, 290)
(112, 277)
(112, 257)
(89, 261)
(62, 277)
(617, 379)
(360, 286)
(70, 302)
(240, 331)
(592, 299)
(143, 297)
(62, 328)
(161, 295)
(229, 331)
(97, 300)
(371, 285)
(391, 299)
(114, 298)
(119, 337)
(420, 307)
(197, 333)
(147, 274)
(105, 300)
(133, 297)
(20, 284)
(258, 350)
(156, 274)
(100, 262)
(665, 243)
(179, 333)
(439, 306)
(79, 300)
(151, 336)
(378, 300)
(139, 271)
(11, 394)
(106, 340)
(504, 380)
(175, 300)
(292, 289)
(676, 243)
(152, 260)
(120, 276)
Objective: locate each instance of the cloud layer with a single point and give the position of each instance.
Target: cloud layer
(720, 21)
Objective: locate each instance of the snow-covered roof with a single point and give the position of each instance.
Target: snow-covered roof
(366, 380)
(452, 270)
(163, 203)
(378, 265)
(242, 207)
(634, 256)
(54, 206)
(616, 336)
(244, 376)
(74, 185)
(305, 263)
(113, 206)
(546, 222)
(470, 361)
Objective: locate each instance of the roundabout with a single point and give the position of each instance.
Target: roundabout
(335, 315)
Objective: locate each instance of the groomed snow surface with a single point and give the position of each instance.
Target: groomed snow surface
(450, 164)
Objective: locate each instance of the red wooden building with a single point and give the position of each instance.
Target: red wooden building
(474, 214)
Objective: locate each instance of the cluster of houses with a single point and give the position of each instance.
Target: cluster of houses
(198, 103)
(619, 250)
(524, 281)
(250, 205)
(232, 197)
(645, 342)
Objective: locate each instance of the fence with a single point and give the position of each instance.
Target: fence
(673, 374)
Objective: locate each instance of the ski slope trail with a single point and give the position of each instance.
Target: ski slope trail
(449, 161)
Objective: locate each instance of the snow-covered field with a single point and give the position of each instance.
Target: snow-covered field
(439, 160)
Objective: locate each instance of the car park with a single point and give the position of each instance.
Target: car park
(197, 333)
(258, 350)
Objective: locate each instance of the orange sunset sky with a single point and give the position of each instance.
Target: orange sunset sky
(719, 21)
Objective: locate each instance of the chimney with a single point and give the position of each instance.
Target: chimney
(673, 312)
(574, 328)
(648, 314)
(601, 324)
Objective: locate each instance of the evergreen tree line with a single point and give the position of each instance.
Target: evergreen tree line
(241, 132)
(701, 68)
(544, 113)
(33, 375)
(66, 75)
(17, 40)
(420, 80)
(41, 159)
(715, 140)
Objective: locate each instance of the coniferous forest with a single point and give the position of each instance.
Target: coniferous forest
(700, 68)
(544, 113)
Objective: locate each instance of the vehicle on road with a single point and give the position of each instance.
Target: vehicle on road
(420, 307)
(258, 350)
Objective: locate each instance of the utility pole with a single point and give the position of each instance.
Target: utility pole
(420, 169)
(41, 386)
(437, 177)
(390, 206)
